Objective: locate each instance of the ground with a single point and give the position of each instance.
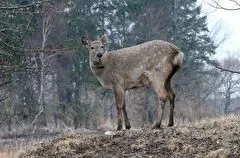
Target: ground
(212, 138)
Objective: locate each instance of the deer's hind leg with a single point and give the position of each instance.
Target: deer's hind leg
(171, 98)
(158, 86)
(127, 124)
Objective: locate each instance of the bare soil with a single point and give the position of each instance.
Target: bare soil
(212, 138)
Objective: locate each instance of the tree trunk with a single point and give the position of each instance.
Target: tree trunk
(227, 104)
(46, 30)
(9, 123)
(41, 95)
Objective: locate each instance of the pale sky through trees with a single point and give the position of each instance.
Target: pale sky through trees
(229, 24)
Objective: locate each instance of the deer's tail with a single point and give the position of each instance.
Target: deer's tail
(178, 59)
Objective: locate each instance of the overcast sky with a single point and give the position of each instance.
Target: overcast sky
(228, 24)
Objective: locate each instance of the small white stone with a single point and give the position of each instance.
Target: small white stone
(109, 133)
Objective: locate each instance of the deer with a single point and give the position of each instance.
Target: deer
(152, 63)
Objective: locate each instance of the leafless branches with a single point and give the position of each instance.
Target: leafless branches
(20, 6)
(24, 9)
(225, 69)
(219, 67)
(6, 7)
(218, 5)
(4, 83)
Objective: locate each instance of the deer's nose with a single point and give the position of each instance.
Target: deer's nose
(99, 55)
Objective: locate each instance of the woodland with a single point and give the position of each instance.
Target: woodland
(46, 82)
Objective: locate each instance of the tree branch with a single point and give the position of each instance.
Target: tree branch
(218, 66)
(4, 83)
(217, 5)
(27, 28)
(236, 2)
(225, 69)
(2, 99)
(21, 6)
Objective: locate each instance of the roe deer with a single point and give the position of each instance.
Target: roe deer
(152, 63)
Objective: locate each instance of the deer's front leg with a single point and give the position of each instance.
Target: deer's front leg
(120, 102)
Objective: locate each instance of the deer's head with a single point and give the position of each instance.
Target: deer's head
(96, 48)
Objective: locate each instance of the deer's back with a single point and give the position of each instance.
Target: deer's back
(134, 66)
(146, 55)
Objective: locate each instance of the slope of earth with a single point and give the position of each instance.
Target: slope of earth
(214, 138)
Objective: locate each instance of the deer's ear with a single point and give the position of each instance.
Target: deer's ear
(85, 41)
(104, 39)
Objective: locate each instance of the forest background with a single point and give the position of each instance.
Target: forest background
(46, 82)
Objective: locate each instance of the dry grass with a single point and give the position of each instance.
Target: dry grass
(13, 151)
(10, 148)
(211, 138)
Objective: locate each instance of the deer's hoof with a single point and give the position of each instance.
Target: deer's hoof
(119, 128)
(128, 127)
(156, 126)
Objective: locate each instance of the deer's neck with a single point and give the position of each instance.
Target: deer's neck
(98, 67)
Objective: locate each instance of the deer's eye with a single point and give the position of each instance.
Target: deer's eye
(102, 47)
(92, 47)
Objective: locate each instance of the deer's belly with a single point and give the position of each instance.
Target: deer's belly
(140, 81)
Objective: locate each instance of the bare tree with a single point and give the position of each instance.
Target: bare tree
(43, 59)
(231, 82)
(46, 30)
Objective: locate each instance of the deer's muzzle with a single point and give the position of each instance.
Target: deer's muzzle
(99, 55)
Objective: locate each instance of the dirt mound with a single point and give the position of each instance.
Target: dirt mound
(216, 138)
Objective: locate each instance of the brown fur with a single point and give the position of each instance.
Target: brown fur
(151, 63)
